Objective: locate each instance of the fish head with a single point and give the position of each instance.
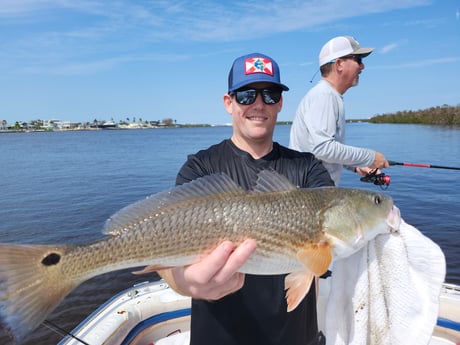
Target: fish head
(357, 217)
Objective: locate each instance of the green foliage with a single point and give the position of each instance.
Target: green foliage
(441, 115)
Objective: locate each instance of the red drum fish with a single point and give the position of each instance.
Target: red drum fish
(298, 232)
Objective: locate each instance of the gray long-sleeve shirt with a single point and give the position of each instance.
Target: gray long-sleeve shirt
(319, 127)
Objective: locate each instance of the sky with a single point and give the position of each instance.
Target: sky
(91, 60)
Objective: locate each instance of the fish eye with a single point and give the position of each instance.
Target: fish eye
(377, 200)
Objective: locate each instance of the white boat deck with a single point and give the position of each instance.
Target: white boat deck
(152, 313)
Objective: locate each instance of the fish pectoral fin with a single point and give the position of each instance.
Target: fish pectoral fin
(316, 257)
(149, 269)
(297, 285)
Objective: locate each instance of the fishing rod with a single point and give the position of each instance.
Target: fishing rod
(61, 331)
(383, 180)
(422, 165)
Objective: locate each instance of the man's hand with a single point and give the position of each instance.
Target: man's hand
(379, 161)
(216, 275)
(363, 171)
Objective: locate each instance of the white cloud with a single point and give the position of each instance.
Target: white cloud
(210, 20)
(388, 48)
(392, 46)
(67, 32)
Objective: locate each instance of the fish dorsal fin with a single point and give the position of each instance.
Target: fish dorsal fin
(217, 185)
(269, 181)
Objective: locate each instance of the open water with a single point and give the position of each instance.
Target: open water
(60, 187)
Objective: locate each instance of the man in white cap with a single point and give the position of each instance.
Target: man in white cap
(319, 123)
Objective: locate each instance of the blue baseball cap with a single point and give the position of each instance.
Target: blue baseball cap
(254, 68)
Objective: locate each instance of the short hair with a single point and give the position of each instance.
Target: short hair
(326, 69)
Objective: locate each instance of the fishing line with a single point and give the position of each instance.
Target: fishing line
(61, 331)
(418, 165)
(314, 75)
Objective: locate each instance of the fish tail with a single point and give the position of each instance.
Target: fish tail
(31, 285)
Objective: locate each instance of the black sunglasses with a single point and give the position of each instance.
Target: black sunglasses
(248, 96)
(357, 58)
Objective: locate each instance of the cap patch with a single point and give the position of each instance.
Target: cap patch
(258, 65)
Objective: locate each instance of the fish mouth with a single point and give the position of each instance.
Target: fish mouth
(394, 219)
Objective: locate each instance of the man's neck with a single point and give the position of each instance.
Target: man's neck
(335, 83)
(255, 149)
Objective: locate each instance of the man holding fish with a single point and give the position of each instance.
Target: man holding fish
(246, 236)
(229, 307)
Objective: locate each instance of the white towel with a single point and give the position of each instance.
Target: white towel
(388, 292)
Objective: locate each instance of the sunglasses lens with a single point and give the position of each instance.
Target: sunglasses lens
(247, 97)
(357, 58)
(271, 96)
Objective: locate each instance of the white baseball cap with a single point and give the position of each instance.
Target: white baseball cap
(341, 46)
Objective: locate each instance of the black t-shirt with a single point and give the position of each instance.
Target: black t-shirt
(257, 313)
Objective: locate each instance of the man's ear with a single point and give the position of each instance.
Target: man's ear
(228, 101)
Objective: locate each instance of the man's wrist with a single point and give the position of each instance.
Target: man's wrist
(168, 276)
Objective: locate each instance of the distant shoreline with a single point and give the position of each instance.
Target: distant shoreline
(79, 129)
(439, 116)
